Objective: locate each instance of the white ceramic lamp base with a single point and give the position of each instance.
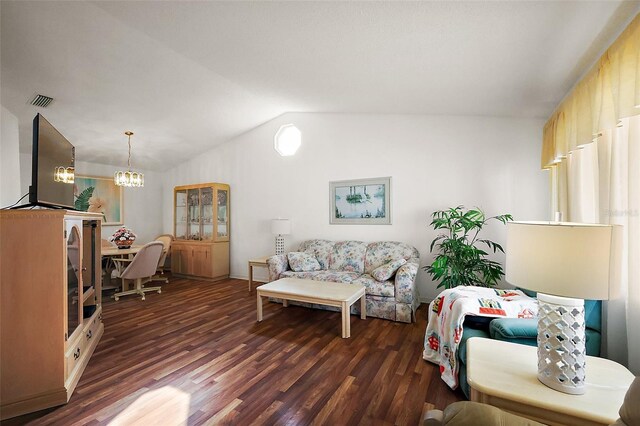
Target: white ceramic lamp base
(279, 245)
(561, 343)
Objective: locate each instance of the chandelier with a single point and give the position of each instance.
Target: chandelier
(129, 178)
(64, 174)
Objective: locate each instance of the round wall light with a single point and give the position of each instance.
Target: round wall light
(287, 140)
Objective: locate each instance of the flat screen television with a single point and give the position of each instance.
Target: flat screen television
(51, 151)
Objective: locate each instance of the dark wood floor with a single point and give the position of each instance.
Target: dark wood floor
(196, 355)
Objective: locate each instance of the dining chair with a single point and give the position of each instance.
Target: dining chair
(107, 263)
(166, 240)
(141, 267)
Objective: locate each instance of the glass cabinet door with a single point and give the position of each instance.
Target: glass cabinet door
(193, 214)
(202, 212)
(89, 276)
(180, 230)
(74, 272)
(222, 213)
(206, 197)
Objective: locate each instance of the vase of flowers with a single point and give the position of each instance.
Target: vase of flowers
(123, 238)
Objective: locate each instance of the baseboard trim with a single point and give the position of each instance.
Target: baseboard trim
(246, 278)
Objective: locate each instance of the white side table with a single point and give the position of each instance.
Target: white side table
(258, 261)
(504, 375)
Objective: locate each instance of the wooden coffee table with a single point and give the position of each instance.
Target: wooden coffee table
(320, 292)
(505, 375)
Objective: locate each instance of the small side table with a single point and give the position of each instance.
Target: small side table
(258, 261)
(505, 375)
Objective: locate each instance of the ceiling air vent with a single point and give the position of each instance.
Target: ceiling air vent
(41, 101)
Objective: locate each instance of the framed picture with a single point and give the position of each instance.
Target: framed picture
(99, 195)
(361, 201)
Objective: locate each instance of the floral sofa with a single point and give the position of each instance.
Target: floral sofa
(353, 262)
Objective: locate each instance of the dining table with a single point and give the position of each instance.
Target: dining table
(117, 252)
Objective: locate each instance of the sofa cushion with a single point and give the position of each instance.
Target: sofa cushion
(302, 262)
(375, 287)
(382, 252)
(386, 271)
(331, 276)
(337, 276)
(320, 249)
(302, 275)
(348, 256)
(515, 330)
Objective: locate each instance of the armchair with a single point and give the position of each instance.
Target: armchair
(476, 414)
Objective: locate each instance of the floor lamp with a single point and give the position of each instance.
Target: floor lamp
(565, 263)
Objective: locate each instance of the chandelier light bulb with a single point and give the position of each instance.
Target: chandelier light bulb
(64, 174)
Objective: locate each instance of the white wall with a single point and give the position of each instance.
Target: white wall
(142, 206)
(435, 162)
(9, 159)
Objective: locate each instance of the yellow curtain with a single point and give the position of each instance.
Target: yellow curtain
(608, 93)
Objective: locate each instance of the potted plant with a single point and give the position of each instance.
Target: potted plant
(460, 260)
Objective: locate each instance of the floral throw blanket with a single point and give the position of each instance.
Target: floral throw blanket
(447, 313)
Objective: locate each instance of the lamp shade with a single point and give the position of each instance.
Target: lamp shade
(560, 258)
(280, 226)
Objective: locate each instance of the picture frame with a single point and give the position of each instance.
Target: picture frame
(100, 195)
(360, 201)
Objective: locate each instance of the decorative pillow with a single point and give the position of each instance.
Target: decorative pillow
(386, 271)
(303, 262)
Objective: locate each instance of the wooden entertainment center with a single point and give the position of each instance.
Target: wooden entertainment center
(51, 310)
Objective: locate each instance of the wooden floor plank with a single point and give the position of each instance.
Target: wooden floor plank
(196, 355)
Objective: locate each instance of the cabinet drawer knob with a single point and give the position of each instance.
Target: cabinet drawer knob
(76, 354)
(89, 334)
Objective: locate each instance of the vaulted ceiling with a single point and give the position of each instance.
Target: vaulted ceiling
(186, 76)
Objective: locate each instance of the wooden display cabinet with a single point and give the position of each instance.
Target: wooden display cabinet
(51, 311)
(201, 227)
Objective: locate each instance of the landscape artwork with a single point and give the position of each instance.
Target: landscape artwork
(99, 195)
(361, 201)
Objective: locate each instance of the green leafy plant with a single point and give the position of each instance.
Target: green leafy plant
(82, 200)
(460, 260)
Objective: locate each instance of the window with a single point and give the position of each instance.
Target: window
(287, 140)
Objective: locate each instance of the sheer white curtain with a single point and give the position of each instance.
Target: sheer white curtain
(600, 183)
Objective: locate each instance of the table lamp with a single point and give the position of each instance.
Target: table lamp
(280, 227)
(561, 261)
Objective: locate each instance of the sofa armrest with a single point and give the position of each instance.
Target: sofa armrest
(521, 330)
(405, 283)
(277, 265)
